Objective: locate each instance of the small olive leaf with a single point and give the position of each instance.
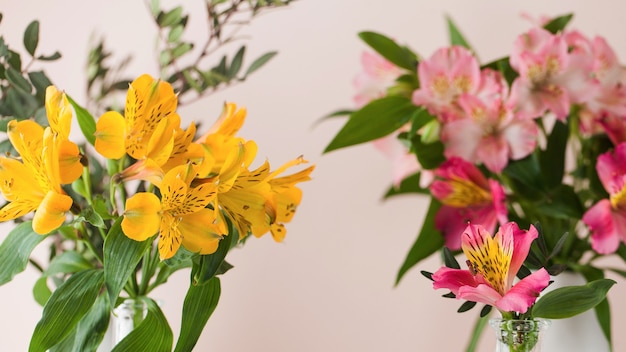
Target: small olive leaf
(456, 38)
(31, 37)
(449, 295)
(449, 259)
(18, 81)
(235, 64)
(258, 63)
(427, 275)
(170, 18)
(175, 33)
(569, 301)
(467, 305)
(523, 272)
(55, 56)
(541, 240)
(556, 269)
(16, 249)
(485, 311)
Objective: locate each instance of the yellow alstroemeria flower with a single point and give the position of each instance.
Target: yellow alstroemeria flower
(34, 184)
(144, 130)
(180, 216)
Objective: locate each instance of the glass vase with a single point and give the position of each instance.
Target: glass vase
(519, 335)
(126, 317)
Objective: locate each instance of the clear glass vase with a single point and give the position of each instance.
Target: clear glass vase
(519, 335)
(126, 317)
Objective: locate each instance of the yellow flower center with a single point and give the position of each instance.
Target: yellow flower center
(466, 194)
(618, 200)
(491, 259)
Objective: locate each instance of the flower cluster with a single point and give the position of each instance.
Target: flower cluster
(200, 196)
(536, 137)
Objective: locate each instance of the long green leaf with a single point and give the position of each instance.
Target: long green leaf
(390, 50)
(568, 301)
(86, 122)
(456, 38)
(65, 308)
(68, 262)
(260, 62)
(153, 333)
(205, 267)
(376, 119)
(552, 159)
(428, 241)
(200, 303)
(91, 329)
(121, 256)
(235, 65)
(16, 249)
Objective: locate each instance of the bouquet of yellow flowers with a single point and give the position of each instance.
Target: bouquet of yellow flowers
(139, 199)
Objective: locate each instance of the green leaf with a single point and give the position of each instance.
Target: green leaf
(181, 49)
(18, 81)
(172, 17)
(390, 50)
(449, 259)
(557, 24)
(377, 119)
(467, 305)
(410, 184)
(429, 155)
(31, 37)
(205, 267)
(568, 301)
(175, 33)
(602, 310)
(16, 249)
(456, 38)
(552, 159)
(93, 326)
(527, 173)
(563, 203)
(428, 241)
(41, 291)
(235, 65)
(92, 217)
(65, 308)
(153, 333)
(55, 56)
(41, 82)
(260, 62)
(15, 61)
(121, 256)
(200, 302)
(66, 263)
(86, 122)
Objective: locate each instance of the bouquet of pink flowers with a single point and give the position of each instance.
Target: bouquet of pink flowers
(536, 137)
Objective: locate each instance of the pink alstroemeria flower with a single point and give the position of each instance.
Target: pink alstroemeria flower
(403, 163)
(467, 196)
(607, 218)
(447, 74)
(493, 263)
(548, 78)
(490, 133)
(378, 74)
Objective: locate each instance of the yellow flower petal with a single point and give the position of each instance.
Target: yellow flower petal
(50, 214)
(170, 237)
(142, 216)
(70, 167)
(110, 135)
(18, 182)
(200, 234)
(58, 111)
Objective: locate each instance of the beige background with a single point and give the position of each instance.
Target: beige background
(330, 285)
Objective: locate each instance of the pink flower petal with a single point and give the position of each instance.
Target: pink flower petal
(524, 293)
(481, 294)
(453, 279)
(604, 230)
